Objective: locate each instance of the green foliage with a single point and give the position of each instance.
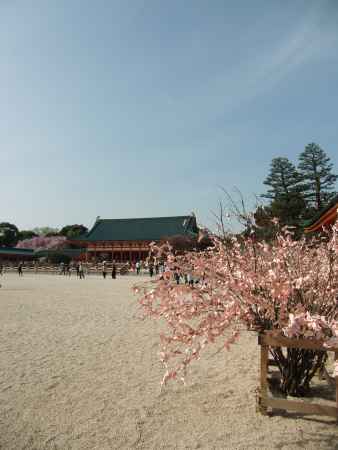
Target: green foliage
(9, 234)
(263, 228)
(283, 180)
(26, 234)
(286, 200)
(296, 195)
(72, 231)
(290, 210)
(46, 231)
(318, 181)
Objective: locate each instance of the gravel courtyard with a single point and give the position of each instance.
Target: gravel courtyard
(79, 369)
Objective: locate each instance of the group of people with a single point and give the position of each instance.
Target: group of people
(113, 270)
(67, 269)
(159, 267)
(81, 268)
(154, 267)
(20, 270)
(138, 267)
(186, 277)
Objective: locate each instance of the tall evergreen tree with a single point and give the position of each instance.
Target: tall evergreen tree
(318, 180)
(283, 179)
(287, 202)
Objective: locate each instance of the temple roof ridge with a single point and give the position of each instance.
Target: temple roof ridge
(183, 216)
(141, 228)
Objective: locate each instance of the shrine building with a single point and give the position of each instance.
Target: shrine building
(324, 219)
(123, 240)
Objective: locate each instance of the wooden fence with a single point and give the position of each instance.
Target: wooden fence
(265, 401)
(90, 269)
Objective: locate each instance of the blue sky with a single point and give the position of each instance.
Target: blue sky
(144, 108)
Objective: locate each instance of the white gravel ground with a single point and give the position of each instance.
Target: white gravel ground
(80, 370)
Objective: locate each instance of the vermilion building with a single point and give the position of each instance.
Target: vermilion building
(325, 218)
(125, 240)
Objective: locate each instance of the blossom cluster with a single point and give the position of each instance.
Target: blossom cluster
(305, 325)
(43, 242)
(287, 284)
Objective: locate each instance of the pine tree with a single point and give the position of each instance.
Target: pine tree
(318, 181)
(287, 202)
(283, 179)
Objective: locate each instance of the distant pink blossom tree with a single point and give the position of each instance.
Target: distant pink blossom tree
(288, 286)
(43, 242)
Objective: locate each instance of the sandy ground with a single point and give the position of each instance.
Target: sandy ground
(80, 370)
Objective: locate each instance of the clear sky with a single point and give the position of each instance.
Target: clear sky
(144, 108)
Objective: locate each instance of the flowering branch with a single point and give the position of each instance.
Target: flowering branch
(286, 285)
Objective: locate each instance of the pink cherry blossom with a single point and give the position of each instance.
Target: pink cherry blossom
(43, 242)
(288, 286)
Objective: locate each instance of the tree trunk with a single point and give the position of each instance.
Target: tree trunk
(297, 368)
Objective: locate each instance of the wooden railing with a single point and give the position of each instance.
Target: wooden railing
(95, 269)
(266, 341)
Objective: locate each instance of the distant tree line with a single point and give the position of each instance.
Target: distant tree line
(10, 235)
(296, 193)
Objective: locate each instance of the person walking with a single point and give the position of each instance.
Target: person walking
(177, 276)
(20, 266)
(113, 271)
(81, 271)
(1, 271)
(190, 280)
(138, 267)
(104, 270)
(72, 267)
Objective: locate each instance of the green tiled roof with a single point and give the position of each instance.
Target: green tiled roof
(71, 252)
(142, 229)
(40, 252)
(16, 251)
(319, 214)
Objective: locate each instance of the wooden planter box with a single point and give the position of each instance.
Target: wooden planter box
(265, 341)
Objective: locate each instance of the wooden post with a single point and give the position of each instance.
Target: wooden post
(336, 361)
(266, 340)
(263, 377)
